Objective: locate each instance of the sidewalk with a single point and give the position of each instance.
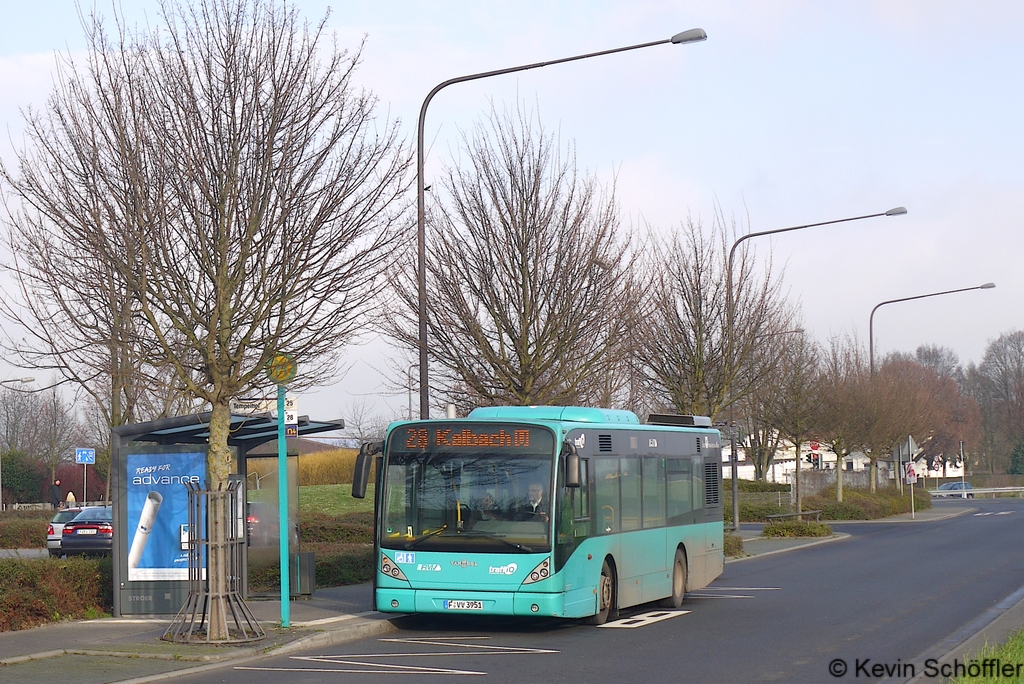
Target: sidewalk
(130, 649)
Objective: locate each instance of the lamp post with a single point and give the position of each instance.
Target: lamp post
(4, 382)
(871, 319)
(692, 36)
(730, 331)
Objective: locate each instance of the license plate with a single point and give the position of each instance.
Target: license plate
(463, 605)
(85, 531)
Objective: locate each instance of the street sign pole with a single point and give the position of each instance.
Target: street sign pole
(282, 369)
(85, 457)
(282, 479)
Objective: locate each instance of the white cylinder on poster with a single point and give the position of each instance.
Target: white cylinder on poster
(146, 520)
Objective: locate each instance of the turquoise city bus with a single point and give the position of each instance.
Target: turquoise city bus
(556, 511)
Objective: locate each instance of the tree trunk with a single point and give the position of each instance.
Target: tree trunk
(873, 479)
(218, 467)
(839, 477)
(796, 479)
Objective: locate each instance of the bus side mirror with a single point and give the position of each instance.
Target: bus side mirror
(364, 463)
(572, 465)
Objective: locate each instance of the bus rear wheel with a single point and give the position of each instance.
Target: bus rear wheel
(679, 572)
(605, 596)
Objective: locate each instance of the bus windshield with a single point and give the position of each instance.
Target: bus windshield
(477, 487)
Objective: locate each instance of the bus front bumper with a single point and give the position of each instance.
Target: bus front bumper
(481, 603)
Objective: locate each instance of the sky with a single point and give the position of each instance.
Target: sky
(791, 112)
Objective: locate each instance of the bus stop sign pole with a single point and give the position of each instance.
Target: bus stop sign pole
(281, 370)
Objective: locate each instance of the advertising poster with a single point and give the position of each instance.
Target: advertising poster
(157, 503)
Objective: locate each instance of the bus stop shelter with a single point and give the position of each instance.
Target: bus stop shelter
(152, 464)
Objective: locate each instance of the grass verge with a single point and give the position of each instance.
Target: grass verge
(1008, 654)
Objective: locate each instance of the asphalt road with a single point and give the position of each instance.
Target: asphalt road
(884, 596)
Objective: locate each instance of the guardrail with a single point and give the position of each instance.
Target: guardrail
(980, 491)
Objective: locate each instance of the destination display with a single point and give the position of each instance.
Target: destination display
(444, 437)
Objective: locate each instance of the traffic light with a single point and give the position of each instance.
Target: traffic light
(809, 458)
(816, 460)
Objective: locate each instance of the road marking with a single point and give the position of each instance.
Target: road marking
(362, 663)
(740, 589)
(395, 669)
(981, 515)
(698, 595)
(1004, 512)
(645, 619)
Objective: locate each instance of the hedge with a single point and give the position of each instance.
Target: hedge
(797, 528)
(36, 591)
(861, 504)
(23, 532)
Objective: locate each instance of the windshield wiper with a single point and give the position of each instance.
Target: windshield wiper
(495, 537)
(439, 530)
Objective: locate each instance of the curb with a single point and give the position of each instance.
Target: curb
(835, 537)
(945, 516)
(350, 632)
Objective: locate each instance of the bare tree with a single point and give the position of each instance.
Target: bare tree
(794, 405)
(226, 172)
(686, 346)
(899, 404)
(59, 431)
(943, 360)
(362, 424)
(844, 388)
(997, 384)
(527, 273)
(19, 421)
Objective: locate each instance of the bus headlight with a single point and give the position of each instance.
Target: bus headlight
(390, 569)
(541, 572)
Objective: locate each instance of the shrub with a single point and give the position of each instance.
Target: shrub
(733, 545)
(23, 532)
(797, 528)
(756, 486)
(36, 591)
(861, 504)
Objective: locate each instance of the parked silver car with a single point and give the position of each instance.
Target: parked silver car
(53, 532)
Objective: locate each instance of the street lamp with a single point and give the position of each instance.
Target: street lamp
(4, 382)
(871, 319)
(695, 35)
(730, 316)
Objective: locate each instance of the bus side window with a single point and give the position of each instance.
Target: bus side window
(654, 491)
(630, 480)
(581, 495)
(680, 488)
(606, 495)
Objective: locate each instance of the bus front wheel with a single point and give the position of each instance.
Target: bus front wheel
(679, 571)
(605, 596)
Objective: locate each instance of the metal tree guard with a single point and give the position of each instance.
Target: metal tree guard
(192, 623)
